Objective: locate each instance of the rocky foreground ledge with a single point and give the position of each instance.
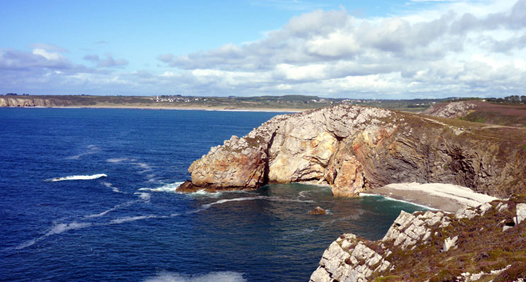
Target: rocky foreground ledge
(354, 149)
(485, 243)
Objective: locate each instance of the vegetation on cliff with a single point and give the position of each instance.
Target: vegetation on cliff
(486, 243)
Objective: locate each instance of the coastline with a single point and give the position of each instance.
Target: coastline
(219, 109)
(445, 197)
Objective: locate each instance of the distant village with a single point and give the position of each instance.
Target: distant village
(278, 99)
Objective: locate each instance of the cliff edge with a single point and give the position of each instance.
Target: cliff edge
(353, 149)
(484, 243)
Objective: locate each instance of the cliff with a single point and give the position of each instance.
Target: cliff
(354, 148)
(475, 244)
(16, 101)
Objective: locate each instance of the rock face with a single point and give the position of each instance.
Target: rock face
(352, 148)
(15, 101)
(434, 246)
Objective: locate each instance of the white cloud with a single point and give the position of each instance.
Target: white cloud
(455, 48)
(51, 56)
(471, 48)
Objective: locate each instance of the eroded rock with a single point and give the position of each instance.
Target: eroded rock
(432, 245)
(354, 148)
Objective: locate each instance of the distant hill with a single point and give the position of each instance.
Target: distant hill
(287, 102)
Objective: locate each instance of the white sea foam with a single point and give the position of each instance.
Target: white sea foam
(92, 149)
(214, 276)
(63, 227)
(169, 188)
(127, 204)
(207, 206)
(397, 200)
(134, 218)
(56, 229)
(77, 177)
(144, 196)
(109, 185)
(144, 166)
(119, 160)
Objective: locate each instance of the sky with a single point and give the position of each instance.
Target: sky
(375, 49)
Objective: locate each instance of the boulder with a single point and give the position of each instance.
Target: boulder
(318, 210)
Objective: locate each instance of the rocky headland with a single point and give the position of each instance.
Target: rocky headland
(27, 102)
(358, 149)
(355, 149)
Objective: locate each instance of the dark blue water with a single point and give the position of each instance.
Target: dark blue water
(131, 225)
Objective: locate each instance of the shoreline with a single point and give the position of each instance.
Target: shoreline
(445, 197)
(219, 109)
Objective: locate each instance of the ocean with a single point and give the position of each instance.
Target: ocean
(90, 195)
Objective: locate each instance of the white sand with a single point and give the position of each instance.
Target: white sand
(446, 197)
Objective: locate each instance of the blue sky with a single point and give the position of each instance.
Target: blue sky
(355, 49)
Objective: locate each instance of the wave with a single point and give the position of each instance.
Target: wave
(124, 205)
(56, 229)
(59, 228)
(207, 206)
(143, 168)
(397, 200)
(135, 218)
(77, 177)
(144, 196)
(169, 188)
(92, 149)
(119, 160)
(113, 188)
(226, 276)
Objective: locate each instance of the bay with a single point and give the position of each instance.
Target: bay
(62, 220)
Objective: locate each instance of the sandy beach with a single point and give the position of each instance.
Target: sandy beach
(193, 108)
(446, 197)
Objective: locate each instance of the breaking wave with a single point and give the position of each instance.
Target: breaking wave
(169, 188)
(387, 198)
(77, 177)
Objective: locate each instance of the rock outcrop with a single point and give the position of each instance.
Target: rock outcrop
(450, 110)
(483, 242)
(354, 148)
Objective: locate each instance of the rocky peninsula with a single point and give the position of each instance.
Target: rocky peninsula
(357, 149)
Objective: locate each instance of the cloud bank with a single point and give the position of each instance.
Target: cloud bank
(473, 48)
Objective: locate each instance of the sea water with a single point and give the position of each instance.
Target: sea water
(90, 195)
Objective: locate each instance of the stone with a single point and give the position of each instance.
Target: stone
(521, 212)
(484, 208)
(450, 243)
(466, 212)
(318, 210)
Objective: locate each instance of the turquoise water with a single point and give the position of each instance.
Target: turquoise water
(62, 220)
